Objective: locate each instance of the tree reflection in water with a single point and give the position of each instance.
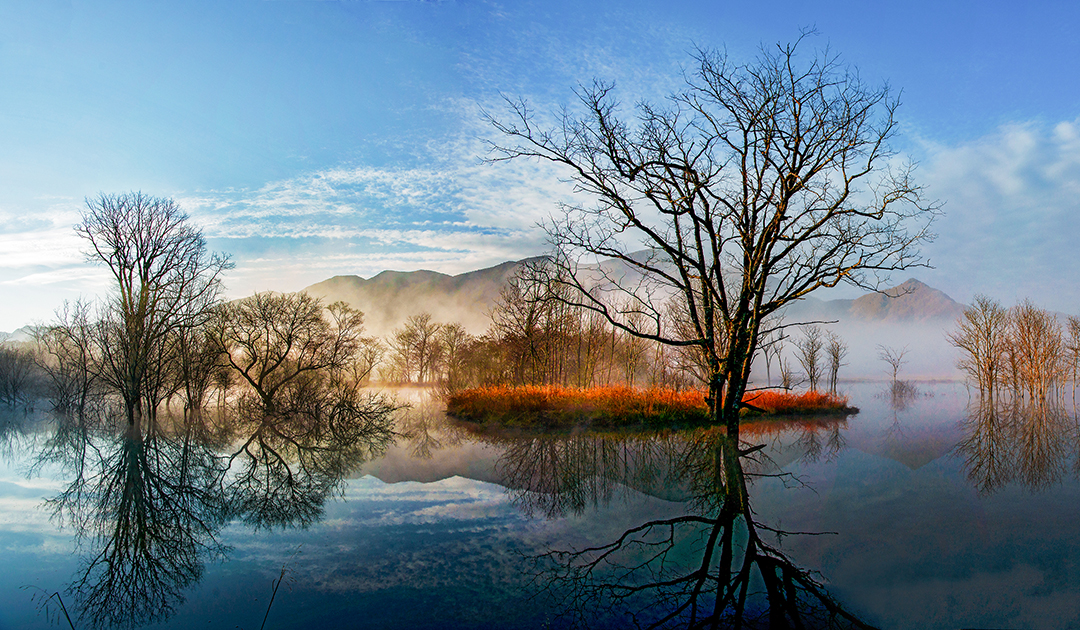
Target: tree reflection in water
(716, 566)
(1024, 440)
(147, 502)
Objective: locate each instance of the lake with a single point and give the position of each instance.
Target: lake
(918, 512)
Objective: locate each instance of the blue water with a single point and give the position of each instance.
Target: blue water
(428, 535)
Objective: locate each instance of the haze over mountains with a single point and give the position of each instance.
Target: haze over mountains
(388, 298)
(911, 314)
(391, 296)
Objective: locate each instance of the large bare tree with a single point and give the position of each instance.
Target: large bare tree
(164, 280)
(750, 188)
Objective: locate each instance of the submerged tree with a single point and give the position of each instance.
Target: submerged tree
(754, 186)
(981, 336)
(68, 359)
(894, 357)
(19, 375)
(275, 341)
(301, 417)
(164, 281)
(1022, 352)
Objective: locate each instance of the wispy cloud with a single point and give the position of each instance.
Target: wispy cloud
(450, 210)
(1012, 214)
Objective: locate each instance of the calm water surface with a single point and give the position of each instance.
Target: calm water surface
(927, 515)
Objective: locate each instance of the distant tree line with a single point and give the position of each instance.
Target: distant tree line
(164, 335)
(534, 338)
(1021, 353)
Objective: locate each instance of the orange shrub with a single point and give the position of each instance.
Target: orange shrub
(781, 402)
(554, 405)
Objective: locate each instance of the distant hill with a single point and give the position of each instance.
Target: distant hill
(911, 301)
(388, 298)
(20, 335)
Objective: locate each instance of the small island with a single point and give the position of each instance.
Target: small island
(557, 407)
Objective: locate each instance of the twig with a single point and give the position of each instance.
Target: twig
(277, 583)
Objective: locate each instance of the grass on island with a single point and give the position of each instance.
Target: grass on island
(552, 406)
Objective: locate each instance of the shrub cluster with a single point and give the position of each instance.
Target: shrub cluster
(553, 405)
(783, 403)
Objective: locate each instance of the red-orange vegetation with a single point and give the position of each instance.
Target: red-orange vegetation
(553, 405)
(779, 402)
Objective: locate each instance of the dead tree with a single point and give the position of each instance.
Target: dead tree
(750, 188)
(836, 350)
(809, 354)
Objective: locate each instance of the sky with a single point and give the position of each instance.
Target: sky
(308, 139)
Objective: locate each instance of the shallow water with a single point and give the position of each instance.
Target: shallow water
(439, 530)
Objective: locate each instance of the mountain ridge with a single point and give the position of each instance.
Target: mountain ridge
(389, 297)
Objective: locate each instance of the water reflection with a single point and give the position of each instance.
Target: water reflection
(714, 566)
(559, 475)
(1026, 441)
(147, 502)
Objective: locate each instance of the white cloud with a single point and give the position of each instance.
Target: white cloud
(1012, 217)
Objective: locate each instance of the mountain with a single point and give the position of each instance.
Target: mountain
(390, 297)
(911, 301)
(20, 335)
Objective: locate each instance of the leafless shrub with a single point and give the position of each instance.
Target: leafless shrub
(809, 354)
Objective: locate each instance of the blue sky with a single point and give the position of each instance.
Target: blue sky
(310, 139)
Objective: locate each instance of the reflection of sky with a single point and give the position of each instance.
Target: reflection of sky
(405, 554)
(916, 545)
(919, 548)
(35, 554)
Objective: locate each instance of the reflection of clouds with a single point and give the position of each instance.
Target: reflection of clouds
(454, 501)
(455, 532)
(22, 513)
(25, 526)
(414, 535)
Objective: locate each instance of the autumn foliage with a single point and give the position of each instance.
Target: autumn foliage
(779, 402)
(552, 405)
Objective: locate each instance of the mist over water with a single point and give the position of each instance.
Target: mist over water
(929, 355)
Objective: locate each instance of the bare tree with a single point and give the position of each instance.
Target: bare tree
(1037, 343)
(68, 358)
(894, 357)
(19, 374)
(415, 348)
(982, 337)
(752, 187)
(787, 378)
(836, 350)
(772, 344)
(164, 280)
(1073, 324)
(809, 354)
(274, 342)
(455, 343)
